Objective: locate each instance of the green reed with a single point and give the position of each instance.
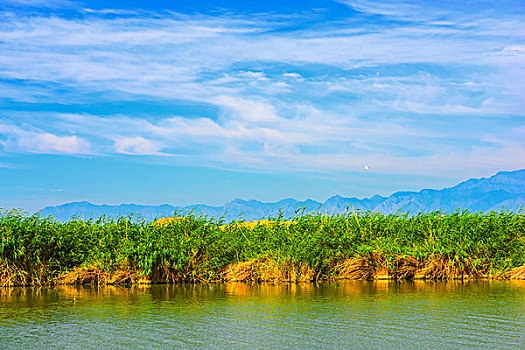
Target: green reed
(35, 250)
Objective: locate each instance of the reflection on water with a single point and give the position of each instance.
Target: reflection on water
(353, 314)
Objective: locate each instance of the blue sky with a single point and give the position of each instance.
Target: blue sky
(205, 101)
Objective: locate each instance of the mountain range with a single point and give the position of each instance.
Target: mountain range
(503, 191)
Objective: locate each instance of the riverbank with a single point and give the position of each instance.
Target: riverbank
(433, 246)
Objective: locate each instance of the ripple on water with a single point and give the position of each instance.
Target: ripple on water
(353, 314)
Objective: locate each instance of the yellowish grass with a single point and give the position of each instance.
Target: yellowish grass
(253, 224)
(405, 267)
(94, 275)
(518, 273)
(355, 269)
(11, 275)
(440, 267)
(375, 267)
(168, 220)
(268, 270)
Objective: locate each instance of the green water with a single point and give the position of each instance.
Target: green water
(350, 315)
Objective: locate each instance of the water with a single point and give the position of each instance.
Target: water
(350, 315)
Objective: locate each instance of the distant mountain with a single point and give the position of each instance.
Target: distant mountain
(505, 190)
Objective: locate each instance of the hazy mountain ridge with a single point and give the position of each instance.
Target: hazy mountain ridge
(505, 190)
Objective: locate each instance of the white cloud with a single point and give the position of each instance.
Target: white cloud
(164, 56)
(246, 110)
(38, 141)
(292, 75)
(255, 75)
(458, 15)
(513, 50)
(310, 140)
(137, 146)
(345, 114)
(7, 165)
(46, 142)
(111, 11)
(40, 3)
(402, 9)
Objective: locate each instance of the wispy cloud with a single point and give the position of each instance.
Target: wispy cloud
(311, 140)
(40, 3)
(459, 14)
(38, 141)
(386, 92)
(137, 146)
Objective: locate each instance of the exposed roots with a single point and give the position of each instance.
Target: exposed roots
(518, 273)
(404, 267)
(439, 267)
(11, 275)
(377, 267)
(268, 270)
(94, 275)
(355, 269)
(264, 269)
(121, 275)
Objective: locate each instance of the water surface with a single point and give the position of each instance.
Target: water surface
(351, 315)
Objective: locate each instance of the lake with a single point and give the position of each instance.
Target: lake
(350, 314)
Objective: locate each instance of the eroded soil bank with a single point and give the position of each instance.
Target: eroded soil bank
(269, 270)
(431, 246)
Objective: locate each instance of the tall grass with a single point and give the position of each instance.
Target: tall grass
(40, 251)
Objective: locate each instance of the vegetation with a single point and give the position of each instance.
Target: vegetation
(42, 251)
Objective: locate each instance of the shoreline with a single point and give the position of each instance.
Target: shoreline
(38, 251)
(258, 272)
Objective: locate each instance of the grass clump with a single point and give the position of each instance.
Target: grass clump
(461, 245)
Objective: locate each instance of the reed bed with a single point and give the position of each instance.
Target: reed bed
(315, 247)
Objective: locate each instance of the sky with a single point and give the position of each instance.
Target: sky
(186, 102)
